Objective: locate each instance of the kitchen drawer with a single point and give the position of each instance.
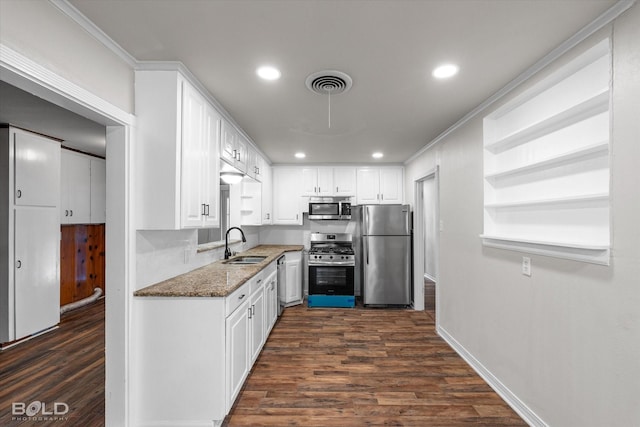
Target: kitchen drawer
(257, 281)
(238, 296)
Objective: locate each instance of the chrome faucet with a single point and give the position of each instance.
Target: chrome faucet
(227, 252)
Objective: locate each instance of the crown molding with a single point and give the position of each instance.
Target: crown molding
(16, 68)
(77, 16)
(604, 19)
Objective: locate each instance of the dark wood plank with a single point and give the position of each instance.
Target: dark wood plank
(82, 261)
(64, 365)
(355, 367)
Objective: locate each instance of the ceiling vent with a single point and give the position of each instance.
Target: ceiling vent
(329, 82)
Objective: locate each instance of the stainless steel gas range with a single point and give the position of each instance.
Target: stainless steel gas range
(331, 263)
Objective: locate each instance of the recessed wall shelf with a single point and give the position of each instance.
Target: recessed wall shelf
(589, 108)
(557, 202)
(546, 165)
(599, 148)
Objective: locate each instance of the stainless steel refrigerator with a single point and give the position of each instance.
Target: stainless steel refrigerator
(383, 241)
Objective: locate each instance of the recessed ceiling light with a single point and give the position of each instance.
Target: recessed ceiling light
(445, 71)
(300, 155)
(377, 155)
(268, 73)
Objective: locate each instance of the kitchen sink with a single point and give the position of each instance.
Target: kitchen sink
(245, 259)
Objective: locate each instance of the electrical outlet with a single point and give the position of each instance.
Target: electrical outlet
(526, 266)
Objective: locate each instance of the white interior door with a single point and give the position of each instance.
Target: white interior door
(37, 272)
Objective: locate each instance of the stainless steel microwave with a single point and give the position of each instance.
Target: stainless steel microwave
(330, 210)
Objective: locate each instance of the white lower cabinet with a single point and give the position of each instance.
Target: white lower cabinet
(271, 301)
(192, 355)
(258, 324)
(293, 293)
(237, 346)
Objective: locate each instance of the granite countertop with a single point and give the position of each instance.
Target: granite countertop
(211, 280)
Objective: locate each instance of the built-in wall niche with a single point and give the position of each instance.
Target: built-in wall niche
(546, 164)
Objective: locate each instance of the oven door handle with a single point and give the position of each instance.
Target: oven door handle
(336, 263)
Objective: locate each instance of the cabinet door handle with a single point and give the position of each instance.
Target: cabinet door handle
(253, 310)
(315, 190)
(336, 189)
(71, 212)
(203, 209)
(296, 217)
(235, 154)
(19, 194)
(319, 190)
(18, 264)
(249, 308)
(207, 210)
(268, 216)
(382, 197)
(66, 212)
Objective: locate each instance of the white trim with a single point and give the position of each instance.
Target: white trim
(503, 391)
(26, 74)
(72, 12)
(605, 18)
(18, 65)
(418, 243)
(600, 255)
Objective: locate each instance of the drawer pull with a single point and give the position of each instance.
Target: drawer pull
(242, 296)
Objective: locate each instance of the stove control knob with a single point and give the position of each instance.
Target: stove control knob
(331, 257)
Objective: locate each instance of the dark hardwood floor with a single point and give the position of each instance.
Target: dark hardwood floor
(356, 367)
(320, 367)
(65, 365)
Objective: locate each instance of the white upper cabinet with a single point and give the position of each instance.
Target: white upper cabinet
(255, 164)
(287, 189)
(75, 188)
(344, 181)
(200, 183)
(178, 144)
(83, 194)
(37, 169)
(379, 185)
(98, 191)
(234, 147)
(329, 181)
(267, 194)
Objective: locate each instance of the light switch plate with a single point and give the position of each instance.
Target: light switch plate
(526, 266)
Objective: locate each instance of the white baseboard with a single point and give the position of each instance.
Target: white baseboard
(507, 395)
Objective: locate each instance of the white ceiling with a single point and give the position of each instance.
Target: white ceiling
(27, 111)
(388, 47)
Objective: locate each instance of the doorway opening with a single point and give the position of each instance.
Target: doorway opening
(426, 242)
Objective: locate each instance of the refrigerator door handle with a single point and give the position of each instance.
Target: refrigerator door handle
(366, 244)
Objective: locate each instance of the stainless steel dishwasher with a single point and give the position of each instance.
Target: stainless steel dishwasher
(282, 283)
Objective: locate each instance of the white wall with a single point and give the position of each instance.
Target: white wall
(162, 255)
(40, 31)
(565, 341)
(300, 234)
